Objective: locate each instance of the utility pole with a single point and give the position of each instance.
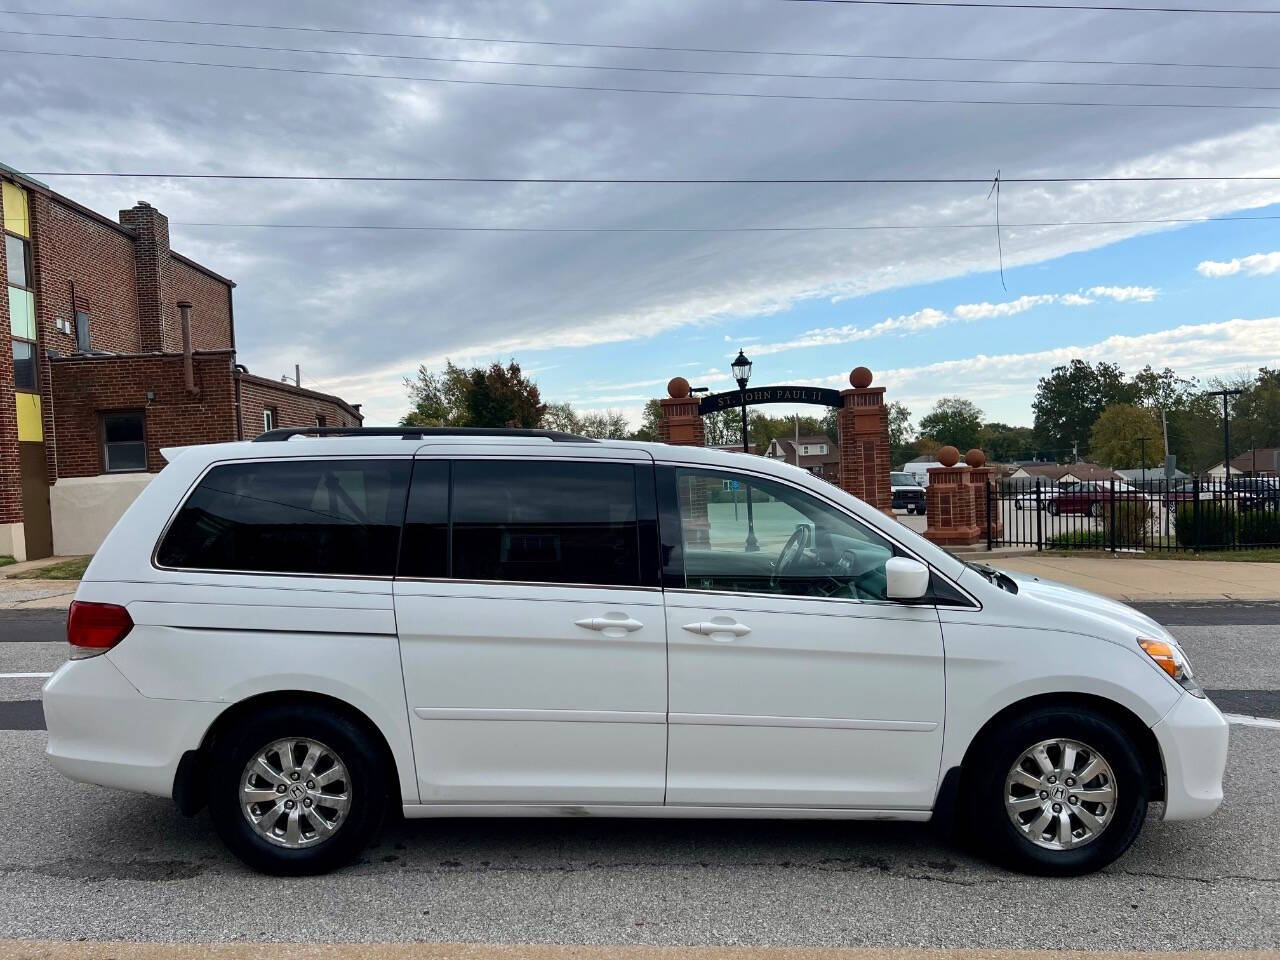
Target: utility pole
(1226, 428)
(1143, 442)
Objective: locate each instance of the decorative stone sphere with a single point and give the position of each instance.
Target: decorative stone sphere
(948, 456)
(860, 378)
(975, 457)
(678, 388)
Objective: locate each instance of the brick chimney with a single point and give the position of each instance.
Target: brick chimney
(151, 256)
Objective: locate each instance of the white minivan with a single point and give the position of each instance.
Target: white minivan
(307, 632)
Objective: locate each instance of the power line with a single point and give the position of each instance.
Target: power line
(423, 228)
(722, 94)
(675, 181)
(1107, 8)
(751, 74)
(647, 47)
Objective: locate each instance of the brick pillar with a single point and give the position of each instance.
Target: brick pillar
(981, 477)
(151, 261)
(864, 442)
(949, 502)
(681, 424)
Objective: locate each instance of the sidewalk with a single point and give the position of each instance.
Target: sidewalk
(1139, 579)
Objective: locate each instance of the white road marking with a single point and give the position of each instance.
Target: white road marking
(1244, 721)
(25, 676)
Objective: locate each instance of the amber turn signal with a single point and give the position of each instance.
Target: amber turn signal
(1163, 654)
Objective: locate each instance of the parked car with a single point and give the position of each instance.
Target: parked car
(908, 495)
(1254, 493)
(1092, 498)
(305, 634)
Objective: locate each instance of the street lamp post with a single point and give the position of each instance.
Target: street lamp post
(741, 368)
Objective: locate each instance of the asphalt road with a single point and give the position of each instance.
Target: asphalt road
(84, 862)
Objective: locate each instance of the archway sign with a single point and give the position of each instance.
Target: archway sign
(861, 416)
(732, 399)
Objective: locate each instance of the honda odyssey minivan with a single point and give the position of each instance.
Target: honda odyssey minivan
(308, 632)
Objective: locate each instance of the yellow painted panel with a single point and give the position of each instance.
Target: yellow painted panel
(30, 424)
(17, 215)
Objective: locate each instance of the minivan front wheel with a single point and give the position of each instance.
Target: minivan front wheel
(296, 789)
(1059, 791)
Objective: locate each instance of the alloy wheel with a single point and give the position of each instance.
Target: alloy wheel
(295, 792)
(1060, 794)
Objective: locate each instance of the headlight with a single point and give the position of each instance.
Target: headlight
(1170, 658)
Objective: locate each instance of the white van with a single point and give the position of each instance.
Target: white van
(305, 633)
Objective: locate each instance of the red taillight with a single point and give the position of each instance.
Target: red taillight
(94, 628)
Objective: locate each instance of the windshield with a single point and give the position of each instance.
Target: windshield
(902, 480)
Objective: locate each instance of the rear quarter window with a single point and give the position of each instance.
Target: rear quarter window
(328, 517)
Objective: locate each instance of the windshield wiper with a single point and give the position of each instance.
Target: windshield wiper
(992, 575)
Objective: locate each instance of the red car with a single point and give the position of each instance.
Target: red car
(1089, 498)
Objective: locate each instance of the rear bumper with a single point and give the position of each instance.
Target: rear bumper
(1193, 743)
(103, 731)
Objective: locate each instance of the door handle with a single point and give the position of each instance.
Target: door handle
(718, 627)
(611, 626)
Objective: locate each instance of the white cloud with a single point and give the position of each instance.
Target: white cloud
(984, 311)
(1124, 294)
(1256, 265)
(1003, 384)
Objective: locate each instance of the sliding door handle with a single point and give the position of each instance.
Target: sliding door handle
(615, 626)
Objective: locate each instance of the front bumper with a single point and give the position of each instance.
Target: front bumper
(1193, 743)
(103, 731)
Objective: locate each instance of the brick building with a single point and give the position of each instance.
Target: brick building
(118, 347)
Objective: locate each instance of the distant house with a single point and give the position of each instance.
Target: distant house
(817, 453)
(1260, 460)
(1079, 472)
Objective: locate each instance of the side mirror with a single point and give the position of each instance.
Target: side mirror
(907, 579)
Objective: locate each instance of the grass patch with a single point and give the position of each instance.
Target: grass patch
(72, 569)
(6, 560)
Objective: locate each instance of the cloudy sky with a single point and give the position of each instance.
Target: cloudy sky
(660, 285)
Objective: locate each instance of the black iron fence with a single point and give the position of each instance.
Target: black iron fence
(1158, 515)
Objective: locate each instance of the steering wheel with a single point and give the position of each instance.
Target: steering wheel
(792, 550)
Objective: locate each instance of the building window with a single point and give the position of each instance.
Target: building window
(24, 366)
(124, 446)
(268, 418)
(17, 254)
(83, 342)
(320, 420)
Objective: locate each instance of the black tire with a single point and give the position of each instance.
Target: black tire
(1095, 510)
(1052, 508)
(367, 788)
(993, 830)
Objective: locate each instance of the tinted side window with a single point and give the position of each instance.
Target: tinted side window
(424, 549)
(547, 522)
(336, 517)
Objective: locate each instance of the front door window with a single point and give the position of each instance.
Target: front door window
(746, 535)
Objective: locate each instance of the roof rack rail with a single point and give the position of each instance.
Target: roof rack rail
(417, 433)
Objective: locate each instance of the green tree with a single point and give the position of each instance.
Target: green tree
(561, 416)
(901, 433)
(1003, 443)
(1256, 414)
(1069, 401)
(604, 425)
(649, 421)
(955, 421)
(493, 396)
(724, 428)
(1114, 439)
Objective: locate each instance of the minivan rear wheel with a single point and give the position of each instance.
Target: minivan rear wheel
(1059, 791)
(296, 789)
